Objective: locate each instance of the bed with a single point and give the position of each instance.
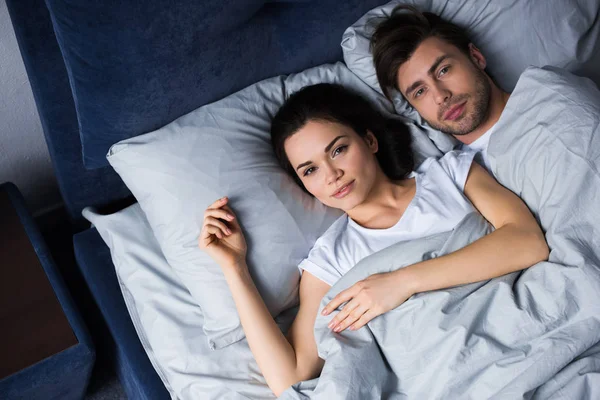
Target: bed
(104, 72)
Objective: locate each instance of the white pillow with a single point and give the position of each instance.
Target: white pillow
(138, 261)
(168, 320)
(223, 149)
(562, 33)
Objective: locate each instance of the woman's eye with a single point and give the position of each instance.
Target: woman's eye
(339, 150)
(308, 171)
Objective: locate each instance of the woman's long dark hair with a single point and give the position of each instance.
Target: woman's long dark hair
(334, 103)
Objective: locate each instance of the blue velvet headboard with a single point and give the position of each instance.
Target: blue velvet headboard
(102, 71)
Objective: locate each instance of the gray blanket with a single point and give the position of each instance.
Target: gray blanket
(546, 149)
(533, 334)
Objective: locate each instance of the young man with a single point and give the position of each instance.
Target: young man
(433, 64)
(542, 141)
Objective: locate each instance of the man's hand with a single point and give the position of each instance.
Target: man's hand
(367, 299)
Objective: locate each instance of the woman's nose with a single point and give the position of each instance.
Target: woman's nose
(333, 174)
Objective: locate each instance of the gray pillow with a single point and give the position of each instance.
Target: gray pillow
(513, 36)
(224, 149)
(167, 319)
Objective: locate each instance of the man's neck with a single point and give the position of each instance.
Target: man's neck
(498, 101)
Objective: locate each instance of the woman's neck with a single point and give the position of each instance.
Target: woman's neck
(385, 204)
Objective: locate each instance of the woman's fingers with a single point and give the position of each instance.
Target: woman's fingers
(213, 224)
(220, 210)
(234, 221)
(214, 230)
(219, 213)
(212, 221)
(219, 203)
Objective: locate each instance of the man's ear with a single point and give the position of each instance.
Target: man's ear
(372, 142)
(477, 57)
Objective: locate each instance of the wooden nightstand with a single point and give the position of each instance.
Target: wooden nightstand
(34, 325)
(43, 344)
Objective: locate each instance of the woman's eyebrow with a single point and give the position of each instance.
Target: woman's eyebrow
(329, 146)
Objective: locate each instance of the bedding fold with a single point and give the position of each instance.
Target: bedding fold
(501, 338)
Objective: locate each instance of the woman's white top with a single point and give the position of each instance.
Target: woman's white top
(438, 206)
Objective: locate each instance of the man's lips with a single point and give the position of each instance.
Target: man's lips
(455, 112)
(344, 190)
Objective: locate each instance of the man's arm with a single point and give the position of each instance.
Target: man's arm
(517, 243)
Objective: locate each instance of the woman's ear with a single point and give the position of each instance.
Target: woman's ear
(372, 142)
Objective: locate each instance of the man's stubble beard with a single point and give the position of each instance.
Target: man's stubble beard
(481, 106)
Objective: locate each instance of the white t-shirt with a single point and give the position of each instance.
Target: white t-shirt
(438, 206)
(479, 147)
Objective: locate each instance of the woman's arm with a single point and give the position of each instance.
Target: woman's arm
(517, 243)
(283, 362)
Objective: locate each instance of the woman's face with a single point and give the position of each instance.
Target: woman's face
(336, 165)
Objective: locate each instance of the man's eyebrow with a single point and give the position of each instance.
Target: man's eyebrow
(431, 70)
(413, 87)
(437, 63)
(329, 146)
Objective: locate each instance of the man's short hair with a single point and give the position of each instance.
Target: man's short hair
(396, 39)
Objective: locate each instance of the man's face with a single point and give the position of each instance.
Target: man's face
(446, 86)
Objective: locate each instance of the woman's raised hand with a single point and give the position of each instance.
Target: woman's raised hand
(221, 236)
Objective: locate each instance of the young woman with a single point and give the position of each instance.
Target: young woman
(347, 155)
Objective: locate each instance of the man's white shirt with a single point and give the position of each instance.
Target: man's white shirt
(479, 147)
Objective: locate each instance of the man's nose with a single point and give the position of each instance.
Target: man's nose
(441, 94)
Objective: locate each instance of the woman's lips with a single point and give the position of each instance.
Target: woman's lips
(344, 190)
(455, 112)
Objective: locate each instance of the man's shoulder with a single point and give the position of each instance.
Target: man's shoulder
(537, 83)
(550, 112)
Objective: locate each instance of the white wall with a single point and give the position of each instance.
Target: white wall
(24, 158)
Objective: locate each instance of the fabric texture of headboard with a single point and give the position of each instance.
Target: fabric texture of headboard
(105, 71)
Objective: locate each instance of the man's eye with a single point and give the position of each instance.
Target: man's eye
(339, 150)
(444, 70)
(419, 92)
(308, 171)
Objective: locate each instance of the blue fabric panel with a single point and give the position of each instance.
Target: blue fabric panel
(50, 85)
(135, 66)
(52, 92)
(66, 374)
(138, 377)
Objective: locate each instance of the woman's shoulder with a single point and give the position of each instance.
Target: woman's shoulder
(451, 160)
(454, 165)
(324, 259)
(332, 234)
